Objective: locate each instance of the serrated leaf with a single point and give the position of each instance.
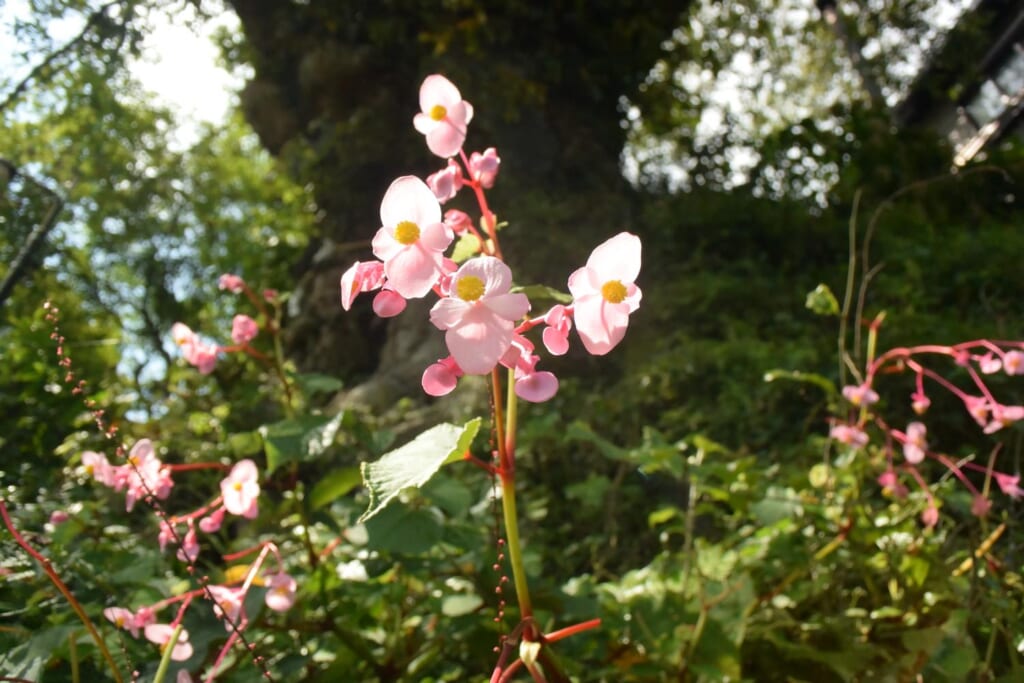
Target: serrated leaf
(298, 439)
(415, 463)
(535, 292)
(333, 486)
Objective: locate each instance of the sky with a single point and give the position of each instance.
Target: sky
(179, 66)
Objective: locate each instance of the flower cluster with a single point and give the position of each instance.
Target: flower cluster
(141, 476)
(483, 317)
(977, 359)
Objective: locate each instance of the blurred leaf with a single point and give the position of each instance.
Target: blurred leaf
(458, 605)
(298, 439)
(415, 463)
(467, 247)
(333, 486)
(315, 383)
(822, 301)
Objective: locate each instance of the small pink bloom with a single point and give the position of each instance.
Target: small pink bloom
(556, 334)
(270, 295)
(96, 465)
(388, 303)
(444, 116)
(478, 317)
(122, 618)
(167, 534)
(1013, 363)
(890, 482)
(58, 517)
(914, 446)
(483, 168)
(144, 474)
(232, 283)
(1003, 416)
(440, 378)
(211, 523)
(144, 616)
(930, 516)
(978, 408)
(227, 603)
(919, 402)
(241, 489)
(447, 182)
(980, 506)
(161, 635)
(530, 385)
(182, 334)
(990, 363)
(281, 592)
(458, 221)
(849, 435)
(360, 277)
(195, 351)
(604, 294)
(244, 329)
(1009, 484)
(412, 239)
(189, 550)
(862, 395)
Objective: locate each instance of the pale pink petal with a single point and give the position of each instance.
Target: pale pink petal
(496, 276)
(508, 306)
(409, 199)
(445, 140)
(423, 123)
(388, 304)
(436, 236)
(413, 271)
(556, 341)
(384, 244)
(439, 380)
(448, 312)
(617, 258)
(537, 388)
(479, 341)
(601, 325)
(436, 89)
(584, 281)
(281, 592)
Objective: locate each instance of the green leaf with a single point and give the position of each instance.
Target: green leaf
(298, 439)
(535, 292)
(822, 301)
(312, 383)
(466, 248)
(333, 486)
(399, 529)
(414, 463)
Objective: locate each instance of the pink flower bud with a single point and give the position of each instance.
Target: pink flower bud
(244, 329)
(862, 395)
(458, 221)
(930, 516)
(441, 378)
(281, 592)
(58, 517)
(211, 523)
(232, 283)
(980, 506)
(270, 295)
(447, 182)
(484, 167)
(536, 387)
(920, 403)
(388, 303)
(914, 446)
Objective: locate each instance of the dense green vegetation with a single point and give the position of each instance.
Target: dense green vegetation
(683, 489)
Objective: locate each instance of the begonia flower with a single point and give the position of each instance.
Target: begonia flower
(211, 523)
(978, 408)
(859, 396)
(195, 351)
(227, 604)
(915, 445)
(849, 435)
(161, 635)
(990, 363)
(188, 551)
(1013, 363)
(1009, 484)
(144, 474)
(360, 277)
(443, 116)
(980, 505)
(479, 314)
(483, 168)
(122, 618)
(530, 384)
(412, 238)
(930, 516)
(241, 489)
(890, 482)
(919, 402)
(97, 466)
(458, 221)
(556, 334)
(1003, 416)
(604, 293)
(447, 182)
(244, 329)
(281, 592)
(230, 282)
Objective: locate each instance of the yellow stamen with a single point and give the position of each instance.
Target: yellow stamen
(407, 232)
(613, 291)
(469, 288)
(238, 486)
(438, 112)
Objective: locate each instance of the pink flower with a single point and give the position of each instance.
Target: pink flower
(189, 550)
(604, 294)
(98, 467)
(412, 238)
(862, 395)
(195, 351)
(232, 283)
(281, 592)
(440, 378)
(144, 474)
(161, 635)
(227, 603)
(122, 618)
(211, 523)
(444, 116)
(241, 489)
(890, 482)
(980, 505)
(1008, 484)
(270, 295)
(458, 221)
(388, 303)
(914, 446)
(930, 516)
(556, 334)
(483, 168)
(1013, 363)
(447, 182)
(530, 385)
(479, 314)
(58, 517)
(990, 363)
(1003, 416)
(919, 402)
(978, 408)
(243, 329)
(849, 435)
(360, 277)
